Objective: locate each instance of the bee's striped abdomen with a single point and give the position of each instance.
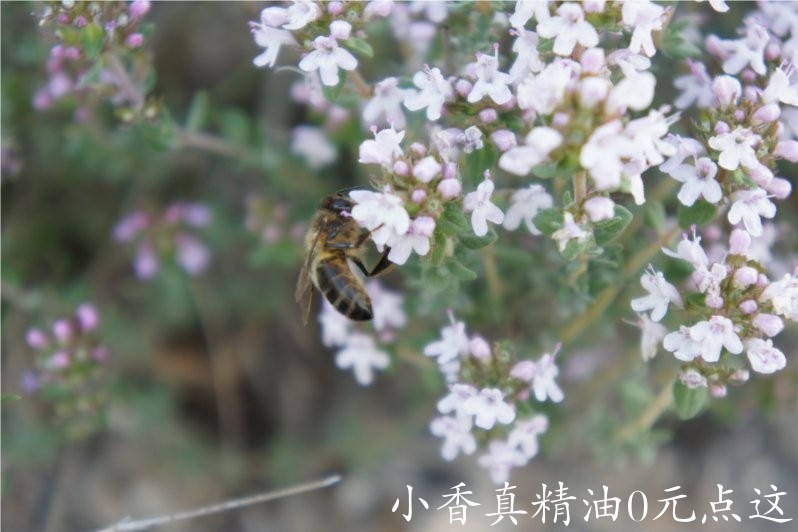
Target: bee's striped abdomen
(343, 289)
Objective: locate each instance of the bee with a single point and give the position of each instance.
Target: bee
(334, 242)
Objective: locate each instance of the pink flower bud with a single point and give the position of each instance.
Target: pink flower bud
(418, 196)
(761, 174)
(592, 91)
(739, 242)
(779, 187)
(87, 317)
(401, 168)
(378, 8)
(740, 376)
(524, 370)
(592, 60)
(41, 100)
(463, 87)
(504, 139)
(745, 276)
(450, 188)
(748, 306)
(62, 18)
(714, 46)
(787, 149)
(508, 105)
(134, 40)
(726, 90)
(80, 21)
(271, 233)
(748, 75)
(600, 208)
(426, 169)
(717, 390)
(340, 29)
(721, 128)
(560, 120)
(62, 330)
(479, 348)
(450, 170)
(335, 8)
(770, 324)
(72, 52)
(423, 226)
(146, 261)
(36, 339)
(714, 301)
(693, 379)
(139, 8)
(739, 115)
(418, 150)
(59, 360)
(763, 281)
(100, 354)
(772, 50)
(712, 233)
(488, 115)
(751, 94)
(766, 113)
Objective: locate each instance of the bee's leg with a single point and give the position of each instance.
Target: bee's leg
(383, 266)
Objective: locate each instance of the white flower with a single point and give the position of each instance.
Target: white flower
(327, 57)
(471, 139)
(520, 160)
(427, 169)
(695, 86)
(661, 293)
(457, 435)
(684, 147)
(647, 134)
(435, 91)
(271, 39)
(693, 379)
(545, 91)
(386, 104)
(682, 344)
(482, 210)
(415, 239)
(699, 180)
(635, 91)
(718, 5)
(783, 295)
(526, 9)
(488, 408)
(570, 231)
(652, 333)
(361, 354)
(452, 345)
(764, 358)
(490, 81)
(737, 148)
(691, 251)
(300, 14)
(335, 327)
(750, 206)
(312, 144)
(780, 89)
(541, 375)
(599, 208)
(386, 307)
(750, 50)
(500, 459)
(524, 435)
(453, 402)
(191, 254)
(714, 335)
(526, 203)
(383, 149)
(603, 154)
(646, 18)
(568, 28)
(382, 213)
(527, 58)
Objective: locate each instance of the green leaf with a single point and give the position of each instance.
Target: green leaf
(359, 46)
(545, 171)
(478, 161)
(675, 46)
(331, 93)
(606, 231)
(438, 246)
(688, 402)
(10, 397)
(92, 40)
(437, 278)
(461, 271)
(198, 111)
(235, 127)
(452, 221)
(574, 248)
(654, 215)
(700, 214)
(548, 220)
(472, 241)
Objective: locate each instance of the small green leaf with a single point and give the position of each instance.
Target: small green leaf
(654, 215)
(472, 241)
(437, 278)
(92, 40)
(438, 246)
(236, 127)
(606, 231)
(545, 171)
(688, 402)
(478, 161)
(9, 397)
(331, 93)
(574, 248)
(359, 46)
(700, 214)
(548, 220)
(198, 111)
(452, 221)
(461, 271)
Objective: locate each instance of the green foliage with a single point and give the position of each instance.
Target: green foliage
(689, 402)
(606, 231)
(700, 214)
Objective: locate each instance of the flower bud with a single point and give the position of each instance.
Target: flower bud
(36, 339)
(748, 75)
(769, 324)
(62, 330)
(418, 196)
(748, 306)
(745, 277)
(714, 46)
(417, 150)
(761, 175)
(59, 360)
(335, 8)
(426, 169)
(739, 115)
(766, 113)
(592, 91)
(751, 94)
(488, 115)
(693, 379)
(87, 317)
(479, 348)
(401, 168)
(714, 301)
(779, 187)
(139, 8)
(450, 171)
(450, 188)
(340, 29)
(80, 21)
(740, 376)
(524, 370)
(560, 119)
(763, 281)
(134, 40)
(787, 149)
(726, 90)
(599, 208)
(721, 128)
(717, 390)
(463, 87)
(592, 60)
(504, 139)
(739, 242)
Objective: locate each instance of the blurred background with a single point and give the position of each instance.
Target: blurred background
(210, 387)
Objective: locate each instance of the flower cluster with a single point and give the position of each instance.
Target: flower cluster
(488, 390)
(95, 40)
(358, 348)
(70, 361)
(169, 236)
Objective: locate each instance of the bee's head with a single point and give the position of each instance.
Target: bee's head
(338, 203)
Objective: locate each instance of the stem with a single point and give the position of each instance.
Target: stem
(363, 88)
(133, 93)
(232, 504)
(207, 142)
(607, 296)
(492, 273)
(648, 417)
(580, 187)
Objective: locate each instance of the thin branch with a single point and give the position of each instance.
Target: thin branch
(207, 142)
(648, 417)
(131, 91)
(226, 506)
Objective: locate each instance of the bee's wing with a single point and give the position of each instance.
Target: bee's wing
(303, 294)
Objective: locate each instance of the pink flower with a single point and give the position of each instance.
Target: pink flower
(489, 408)
(456, 432)
(327, 57)
(383, 149)
(415, 239)
(490, 82)
(699, 180)
(382, 213)
(435, 91)
(763, 357)
(191, 254)
(568, 28)
(361, 354)
(714, 335)
(749, 207)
